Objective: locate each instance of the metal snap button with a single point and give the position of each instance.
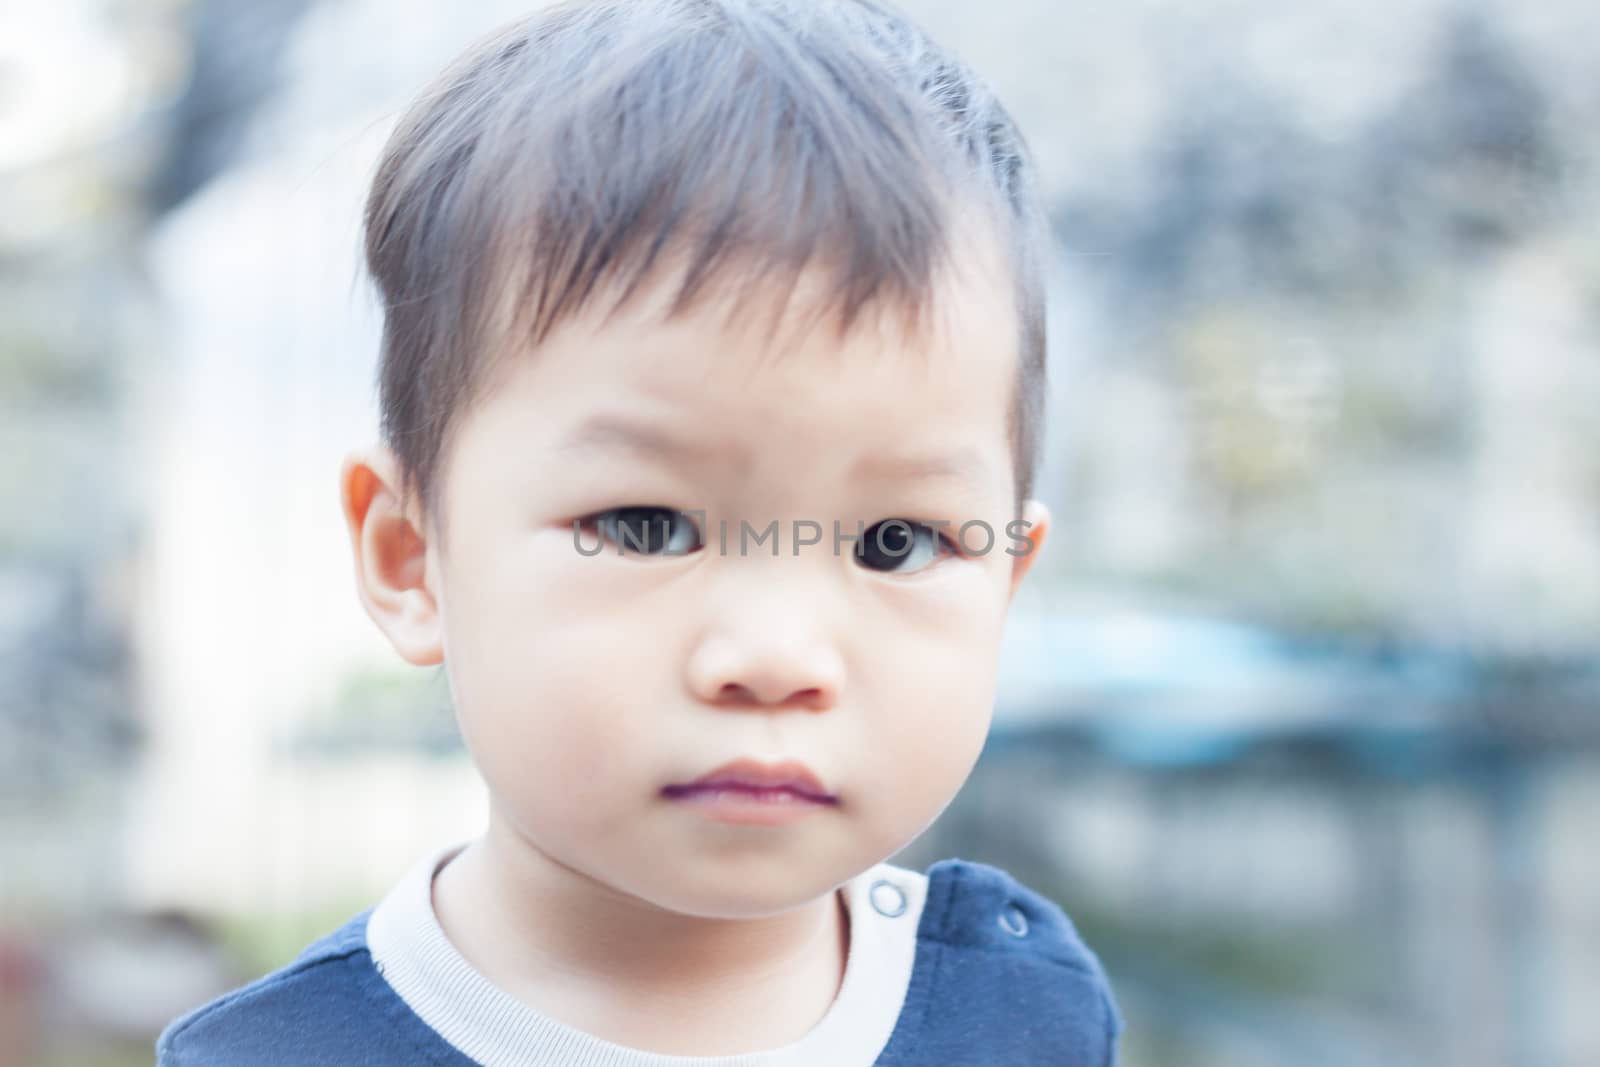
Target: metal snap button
(887, 898)
(1013, 922)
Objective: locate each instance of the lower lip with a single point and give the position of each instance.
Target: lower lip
(736, 804)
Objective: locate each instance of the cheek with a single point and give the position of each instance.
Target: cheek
(553, 738)
(931, 700)
(939, 715)
(544, 701)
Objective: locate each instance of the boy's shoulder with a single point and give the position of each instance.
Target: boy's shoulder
(330, 1005)
(1002, 976)
(975, 905)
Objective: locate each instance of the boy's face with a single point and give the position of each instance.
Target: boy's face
(585, 684)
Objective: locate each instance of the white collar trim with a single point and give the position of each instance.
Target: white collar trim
(485, 1022)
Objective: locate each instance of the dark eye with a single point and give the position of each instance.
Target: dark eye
(900, 546)
(647, 530)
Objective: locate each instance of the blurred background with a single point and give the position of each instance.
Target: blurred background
(1300, 720)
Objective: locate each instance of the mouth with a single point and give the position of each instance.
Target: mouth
(750, 779)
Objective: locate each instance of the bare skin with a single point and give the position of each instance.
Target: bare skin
(635, 975)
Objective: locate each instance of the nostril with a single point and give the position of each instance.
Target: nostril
(737, 694)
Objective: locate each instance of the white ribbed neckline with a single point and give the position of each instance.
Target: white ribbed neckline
(494, 1028)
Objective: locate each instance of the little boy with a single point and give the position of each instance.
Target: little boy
(712, 372)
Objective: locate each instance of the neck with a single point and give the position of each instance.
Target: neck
(630, 971)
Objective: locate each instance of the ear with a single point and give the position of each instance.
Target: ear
(1029, 535)
(393, 577)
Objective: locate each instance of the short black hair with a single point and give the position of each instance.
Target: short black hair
(579, 148)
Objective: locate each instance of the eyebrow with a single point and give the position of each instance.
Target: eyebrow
(964, 465)
(615, 432)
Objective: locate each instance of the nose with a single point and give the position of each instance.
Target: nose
(778, 669)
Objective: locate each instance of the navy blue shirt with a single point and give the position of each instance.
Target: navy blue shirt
(1000, 977)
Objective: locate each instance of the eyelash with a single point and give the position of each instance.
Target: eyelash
(945, 546)
(599, 521)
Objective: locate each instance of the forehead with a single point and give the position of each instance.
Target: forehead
(760, 375)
